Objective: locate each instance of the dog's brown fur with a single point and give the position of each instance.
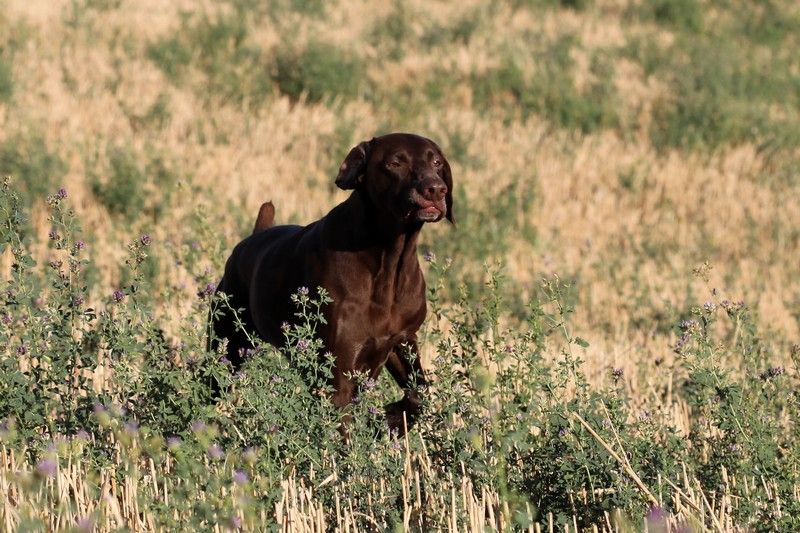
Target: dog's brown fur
(364, 253)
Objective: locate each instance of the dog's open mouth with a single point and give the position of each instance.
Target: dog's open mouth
(425, 211)
(428, 213)
(421, 209)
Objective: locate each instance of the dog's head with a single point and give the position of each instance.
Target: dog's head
(403, 173)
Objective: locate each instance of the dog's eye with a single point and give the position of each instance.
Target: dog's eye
(437, 162)
(393, 164)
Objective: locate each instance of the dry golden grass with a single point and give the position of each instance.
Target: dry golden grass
(81, 84)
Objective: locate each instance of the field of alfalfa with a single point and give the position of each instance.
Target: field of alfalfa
(612, 322)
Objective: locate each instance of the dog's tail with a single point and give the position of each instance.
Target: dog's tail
(266, 217)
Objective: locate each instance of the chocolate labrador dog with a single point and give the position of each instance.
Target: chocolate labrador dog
(364, 253)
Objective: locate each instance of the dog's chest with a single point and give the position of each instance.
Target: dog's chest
(384, 326)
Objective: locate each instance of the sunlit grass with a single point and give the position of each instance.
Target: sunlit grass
(618, 146)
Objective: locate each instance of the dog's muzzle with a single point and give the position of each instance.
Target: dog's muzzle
(427, 200)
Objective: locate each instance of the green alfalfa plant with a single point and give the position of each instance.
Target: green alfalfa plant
(48, 324)
(742, 425)
(530, 427)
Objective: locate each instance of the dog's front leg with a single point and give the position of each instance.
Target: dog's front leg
(404, 365)
(344, 387)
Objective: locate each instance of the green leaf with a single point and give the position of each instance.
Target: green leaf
(581, 342)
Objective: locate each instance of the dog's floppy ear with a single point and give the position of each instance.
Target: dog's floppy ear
(353, 167)
(447, 176)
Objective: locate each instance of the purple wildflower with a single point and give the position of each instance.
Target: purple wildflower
(710, 306)
(302, 291)
(198, 426)
(21, 350)
(772, 372)
(285, 326)
(656, 515)
(224, 360)
(682, 341)
(240, 477)
(53, 235)
(145, 239)
(131, 427)
(85, 524)
(302, 345)
(6, 319)
(77, 301)
(373, 410)
(617, 373)
(118, 295)
(206, 291)
(173, 443)
(61, 193)
(215, 452)
(429, 256)
(369, 384)
(236, 522)
(80, 245)
(47, 468)
(274, 428)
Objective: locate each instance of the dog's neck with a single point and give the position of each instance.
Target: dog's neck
(357, 225)
(363, 225)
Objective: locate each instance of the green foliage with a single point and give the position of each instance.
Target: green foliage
(123, 193)
(219, 47)
(577, 5)
(12, 37)
(551, 91)
(277, 9)
(509, 405)
(35, 168)
(6, 79)
(721, 95)
(320, 71)
(126, 190)
(680, 14)
(729, 72)
(723, 89)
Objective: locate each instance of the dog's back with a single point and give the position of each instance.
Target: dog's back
(268, 243)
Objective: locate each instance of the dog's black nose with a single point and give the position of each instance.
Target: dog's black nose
(432, 189)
